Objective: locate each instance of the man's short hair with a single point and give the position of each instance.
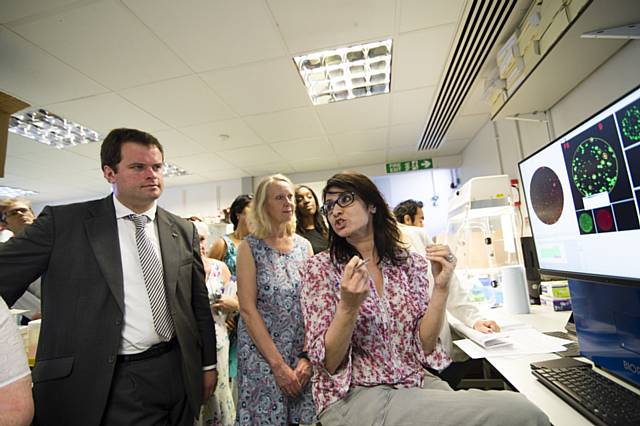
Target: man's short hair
(111, 149)
(6, 203)
(408, 207)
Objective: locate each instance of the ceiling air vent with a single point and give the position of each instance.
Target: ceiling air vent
(482, 26)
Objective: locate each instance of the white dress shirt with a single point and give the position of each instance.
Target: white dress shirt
(138, 332)
(459, 303)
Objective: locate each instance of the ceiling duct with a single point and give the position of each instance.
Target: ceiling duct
(482, 26)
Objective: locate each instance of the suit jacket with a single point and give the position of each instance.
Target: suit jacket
(76, 249)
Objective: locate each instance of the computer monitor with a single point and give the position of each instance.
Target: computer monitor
(583, 196)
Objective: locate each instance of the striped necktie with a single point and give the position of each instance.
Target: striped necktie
(153, 279)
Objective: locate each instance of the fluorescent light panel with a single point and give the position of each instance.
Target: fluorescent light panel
(169, 170)
(50, 129)
(347, 72)
(9, 192)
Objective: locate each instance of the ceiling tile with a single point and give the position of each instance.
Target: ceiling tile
(355, 114)
(406, 153)
(251, 156)
(259, 87)
(270, 169)
(214, 39)
(412, 105)
(367, 140)
(105, 112)
(286, 125)
(20, 146)
(106, 42)
(12, 10)
(303, 149)
(307, 26)
(420, 57)
(406, 134)
(223, 135)
(466, 126)
(473, 103)
(352, 159)
(191, 179)
(324, 163)
(453, 146)
(180, 102)
(416, 14)
(216, 175)
(34, 76)
(177, 145)
(203, 163)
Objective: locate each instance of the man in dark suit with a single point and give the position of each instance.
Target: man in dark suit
(127, 337)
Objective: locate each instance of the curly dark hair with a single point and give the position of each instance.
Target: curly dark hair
(385, 228)
(318, 221)
(237, 207)
(409, 207)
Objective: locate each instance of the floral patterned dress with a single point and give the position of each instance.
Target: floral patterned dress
(219, 409)
(260, 400)
(385, 346)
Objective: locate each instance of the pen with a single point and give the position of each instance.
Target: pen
(360, 265)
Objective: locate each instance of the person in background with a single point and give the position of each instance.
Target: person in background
(372, 324)
(16, 214)
(16, 401)
(219, 409)
(226, 250)
(410, 217)
(273, 369)
(127, 336)
(309, 221)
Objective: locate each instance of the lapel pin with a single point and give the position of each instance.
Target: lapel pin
(174, 235)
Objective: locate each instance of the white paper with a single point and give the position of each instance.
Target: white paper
(523, 342)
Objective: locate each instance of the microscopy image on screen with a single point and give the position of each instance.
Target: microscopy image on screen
(626, 215)
(604, 220)
(633, 159)
(586, 223)
(546, 195)
(629, 123)
(595, 165)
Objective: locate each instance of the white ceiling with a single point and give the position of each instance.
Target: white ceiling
(216, 83)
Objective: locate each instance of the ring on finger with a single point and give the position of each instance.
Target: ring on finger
(450, 258)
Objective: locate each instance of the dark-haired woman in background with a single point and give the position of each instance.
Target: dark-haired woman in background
(310, 224)
(226, 248)
(372, 328)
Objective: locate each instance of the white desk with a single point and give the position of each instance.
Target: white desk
(517, 372)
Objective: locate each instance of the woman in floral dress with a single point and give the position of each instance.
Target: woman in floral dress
(273, 369)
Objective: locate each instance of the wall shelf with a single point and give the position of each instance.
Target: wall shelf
(571, 59)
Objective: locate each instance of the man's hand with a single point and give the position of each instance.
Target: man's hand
(486, 326)
(209, 382)
(303, 371)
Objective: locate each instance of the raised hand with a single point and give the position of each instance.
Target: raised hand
(354, 287)
(443, 263)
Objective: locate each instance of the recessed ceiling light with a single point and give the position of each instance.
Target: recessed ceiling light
(169, 170)
(48, 128)
(7, 191)
(347, 72)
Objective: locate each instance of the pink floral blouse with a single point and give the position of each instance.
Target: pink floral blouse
(385, 347)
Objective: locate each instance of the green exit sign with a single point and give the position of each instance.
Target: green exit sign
(409, 166)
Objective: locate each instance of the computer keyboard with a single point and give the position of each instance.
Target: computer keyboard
(598, 398)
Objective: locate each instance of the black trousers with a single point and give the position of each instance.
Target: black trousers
(149, 392)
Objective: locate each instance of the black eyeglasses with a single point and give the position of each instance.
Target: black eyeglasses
(344, 200)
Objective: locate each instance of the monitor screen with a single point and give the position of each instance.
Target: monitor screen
(583, 196)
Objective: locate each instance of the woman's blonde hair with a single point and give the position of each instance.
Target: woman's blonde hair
(259, 220)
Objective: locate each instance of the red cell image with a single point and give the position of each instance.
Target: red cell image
(604, 220)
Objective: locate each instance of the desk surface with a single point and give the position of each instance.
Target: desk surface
(517, 371)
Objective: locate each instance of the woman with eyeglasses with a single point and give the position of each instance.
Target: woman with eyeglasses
(273, 369)
(310, 224)
(372, 328)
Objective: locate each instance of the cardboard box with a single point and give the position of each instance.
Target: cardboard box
(8, 105)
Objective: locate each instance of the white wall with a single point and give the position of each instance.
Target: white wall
(495, 152)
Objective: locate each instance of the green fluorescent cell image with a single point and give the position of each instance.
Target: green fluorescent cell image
(586, 222)
(594, 166)
(630, 124)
